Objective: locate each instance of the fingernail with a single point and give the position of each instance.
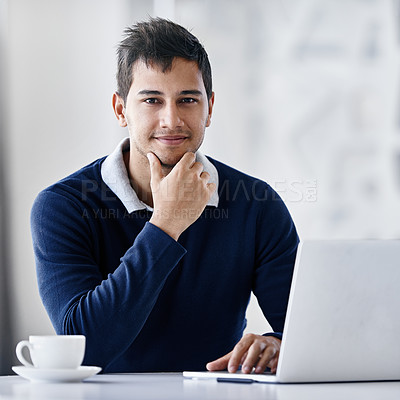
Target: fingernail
(246, 369)
(259, 370)
(231, 368)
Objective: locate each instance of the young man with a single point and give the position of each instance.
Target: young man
(153, 251)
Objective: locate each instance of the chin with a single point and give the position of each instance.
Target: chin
(168, 164)
(169, 161)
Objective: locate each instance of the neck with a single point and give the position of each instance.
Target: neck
(139, 177)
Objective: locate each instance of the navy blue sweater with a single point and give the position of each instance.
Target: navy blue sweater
(144, 301)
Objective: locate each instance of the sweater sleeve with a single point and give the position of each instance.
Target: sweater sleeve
(275, 256)
(109, 312)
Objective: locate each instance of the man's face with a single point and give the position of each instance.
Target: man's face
(166, 112)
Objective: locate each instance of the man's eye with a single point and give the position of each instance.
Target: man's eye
(188, 100)
(151, 101)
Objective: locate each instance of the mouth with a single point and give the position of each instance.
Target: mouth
(171, 140)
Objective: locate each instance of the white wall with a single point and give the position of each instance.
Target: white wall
(306, 98)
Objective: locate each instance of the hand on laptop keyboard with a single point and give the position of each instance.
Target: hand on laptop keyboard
(252, 351)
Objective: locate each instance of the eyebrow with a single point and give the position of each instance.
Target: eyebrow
(193, 92)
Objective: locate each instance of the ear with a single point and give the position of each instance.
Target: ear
(119, 109)
(210, 109)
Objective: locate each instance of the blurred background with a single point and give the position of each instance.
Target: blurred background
(307, 98)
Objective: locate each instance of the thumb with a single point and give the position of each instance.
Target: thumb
(155, 167)
(220, 363)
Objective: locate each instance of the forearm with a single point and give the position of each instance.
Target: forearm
(275, 263)
(117, 307)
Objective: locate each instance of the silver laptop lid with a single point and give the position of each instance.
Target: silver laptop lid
(343, 319)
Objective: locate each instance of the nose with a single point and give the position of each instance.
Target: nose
(170, 117)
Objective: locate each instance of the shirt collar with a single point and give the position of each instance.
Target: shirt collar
(115, 176)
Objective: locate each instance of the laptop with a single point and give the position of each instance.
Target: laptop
(343, 317)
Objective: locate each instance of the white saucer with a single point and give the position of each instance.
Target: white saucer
(56, 375)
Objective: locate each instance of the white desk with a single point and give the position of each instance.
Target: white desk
(175, 387)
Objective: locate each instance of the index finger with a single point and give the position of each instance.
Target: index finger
(238, 353)
(155, 167)
(187, 160)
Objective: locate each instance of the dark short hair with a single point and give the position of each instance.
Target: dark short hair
(158, 41)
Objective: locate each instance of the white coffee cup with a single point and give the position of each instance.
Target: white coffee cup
(53, 352)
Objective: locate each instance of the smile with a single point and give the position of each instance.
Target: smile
(171, 140)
